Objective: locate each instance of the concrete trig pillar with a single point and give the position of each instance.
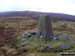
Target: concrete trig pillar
(45, 27)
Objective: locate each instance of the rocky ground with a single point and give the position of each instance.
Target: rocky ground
(18, 38)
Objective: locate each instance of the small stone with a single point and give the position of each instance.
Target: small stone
(67, 36)
(55, 38)
(33, 33)
(51, 47)
(63, 46)
(40, 36)
(69, 41)
(41, 48)
(29, 35)
(23, 36)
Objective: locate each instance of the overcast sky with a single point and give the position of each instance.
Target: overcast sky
(58, 6)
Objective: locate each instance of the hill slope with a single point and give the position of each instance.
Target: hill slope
(35, 15)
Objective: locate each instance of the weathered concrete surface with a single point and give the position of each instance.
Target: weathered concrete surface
(45, 26)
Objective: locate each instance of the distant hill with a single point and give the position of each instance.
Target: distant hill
(35, 15)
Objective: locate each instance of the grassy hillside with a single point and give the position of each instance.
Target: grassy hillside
(32, 48)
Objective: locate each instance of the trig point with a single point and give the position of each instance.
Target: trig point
(45, 27)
